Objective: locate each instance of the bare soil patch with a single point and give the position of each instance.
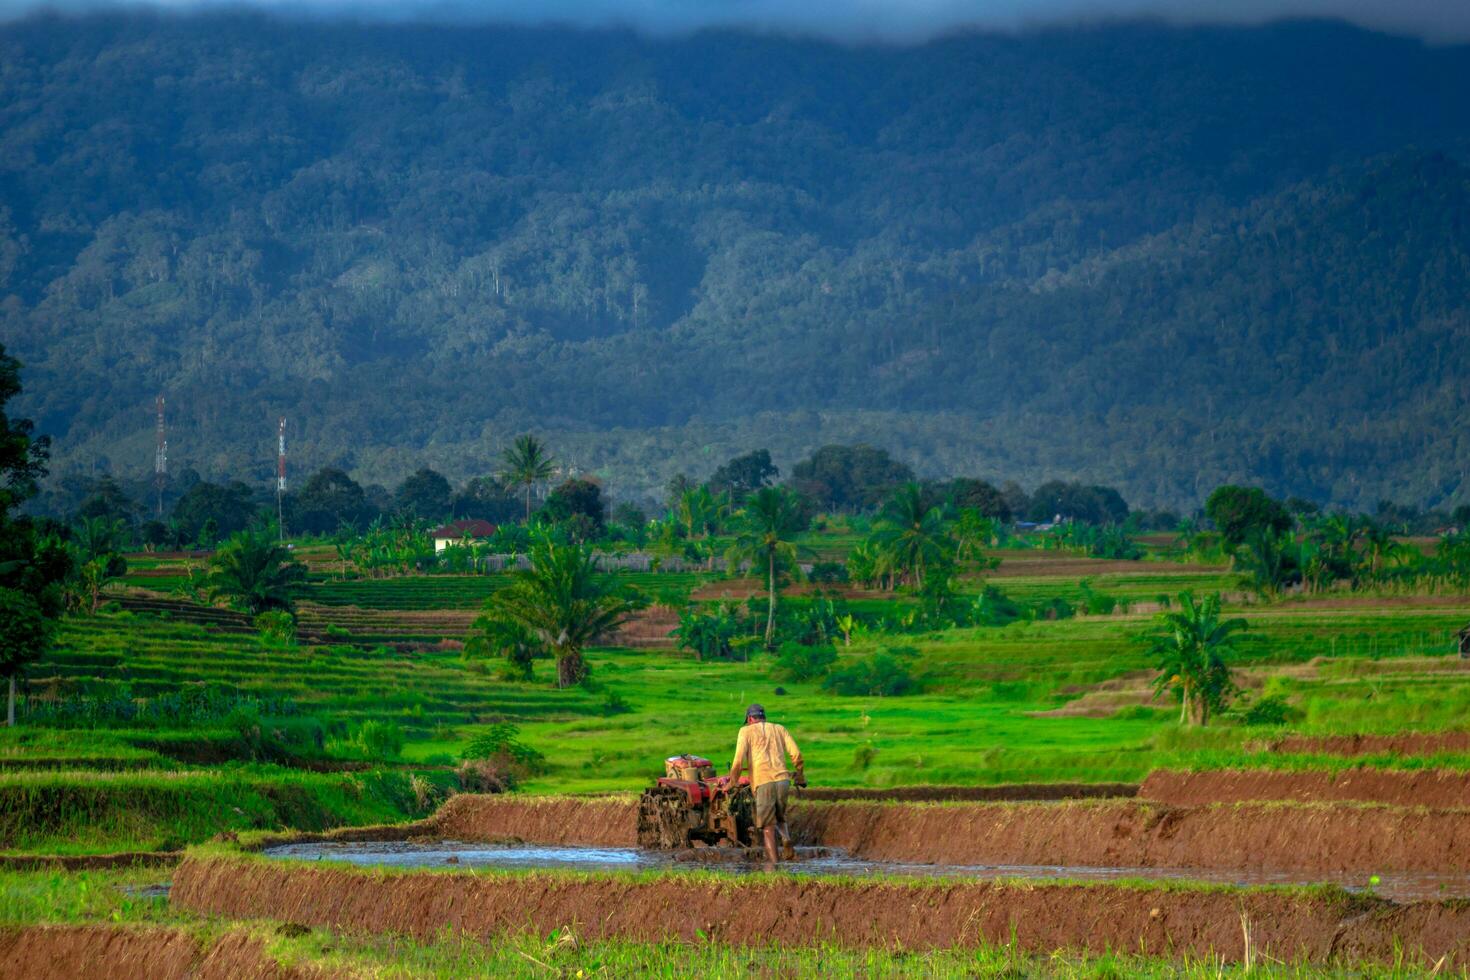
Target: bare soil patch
(1436, 788)
(122, 953)
(1172, 922)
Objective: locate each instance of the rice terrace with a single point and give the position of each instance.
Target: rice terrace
(714, 489)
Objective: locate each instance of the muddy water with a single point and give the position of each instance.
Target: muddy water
(821, 861)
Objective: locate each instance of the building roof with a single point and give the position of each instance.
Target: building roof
(455, 530)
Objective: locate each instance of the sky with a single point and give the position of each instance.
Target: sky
(896, 21)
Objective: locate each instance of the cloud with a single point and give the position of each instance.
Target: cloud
(900, 21)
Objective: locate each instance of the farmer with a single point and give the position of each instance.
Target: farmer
(762, 747)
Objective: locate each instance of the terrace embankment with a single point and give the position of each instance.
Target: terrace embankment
(1422, 787)
(1340, 838)
(1179, 921)
(943, 794)
(63, 952)
(585, 821)
(1405, 743)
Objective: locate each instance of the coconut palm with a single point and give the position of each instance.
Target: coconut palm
(1191, 648)
(973, 532)
(911, 534)
(699, 511)
(526, 463)
(253, 572)
(565, 603)
(769, 523)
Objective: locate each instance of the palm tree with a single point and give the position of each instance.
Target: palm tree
(1379, 548)
(254, 573)
(564, 602)
(700, 511)
(526, 463)
(911, 534)
(1191, 648)
(973, 532)
(769, 522)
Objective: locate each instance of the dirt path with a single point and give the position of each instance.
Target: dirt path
(1436, 788)
(1097, 918)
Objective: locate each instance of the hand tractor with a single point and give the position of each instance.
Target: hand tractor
(691, 806)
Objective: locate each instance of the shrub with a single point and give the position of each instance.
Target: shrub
(863, 757)
(503, 739)
(277, 627)
(1270, 710)
(994, 608)
(828, 572)
(379, 739)
(497, 760)
(884, 674)
(797, 662)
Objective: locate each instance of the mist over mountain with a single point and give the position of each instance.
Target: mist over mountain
(1151, 256)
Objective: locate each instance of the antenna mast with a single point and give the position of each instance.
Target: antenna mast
(281, 479)
(160, 461)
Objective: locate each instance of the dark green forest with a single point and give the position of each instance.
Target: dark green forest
(1160, 259)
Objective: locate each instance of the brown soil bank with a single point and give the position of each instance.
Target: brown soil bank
(119, 953)
(941, 794)
(583, 821)
(1172, 922)
(1341, 838)
(1426, 787)
(1407, 743)
(1287, 837)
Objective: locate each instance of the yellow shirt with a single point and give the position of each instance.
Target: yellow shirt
(761, 748)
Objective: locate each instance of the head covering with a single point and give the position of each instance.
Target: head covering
(755, 711)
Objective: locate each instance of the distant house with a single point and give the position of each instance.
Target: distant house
(458, 532)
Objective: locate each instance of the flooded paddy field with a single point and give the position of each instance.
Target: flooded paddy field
(828, 861)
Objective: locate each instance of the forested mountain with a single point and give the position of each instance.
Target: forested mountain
(1153, 257)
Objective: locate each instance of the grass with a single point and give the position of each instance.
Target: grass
(84, 812)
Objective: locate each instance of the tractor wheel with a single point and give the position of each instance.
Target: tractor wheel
(742, 809)
(663, 819)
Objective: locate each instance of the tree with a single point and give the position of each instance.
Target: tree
(966, 493)
(973, 533)
(109, 502)
(848, 478)
(911, 535)
(699, 511)
(231, 508)
(1191, 648)
(486, 498)
(253, 572)
(744, 475)
(425, 494)
(22, 456)
(1270, 560)
(23, 639)
(96, 542)
(328, 501)
(526, 463)
(1078, 502)
(1236, 511)
(578, 498)
(564, 602)
(769, 522)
